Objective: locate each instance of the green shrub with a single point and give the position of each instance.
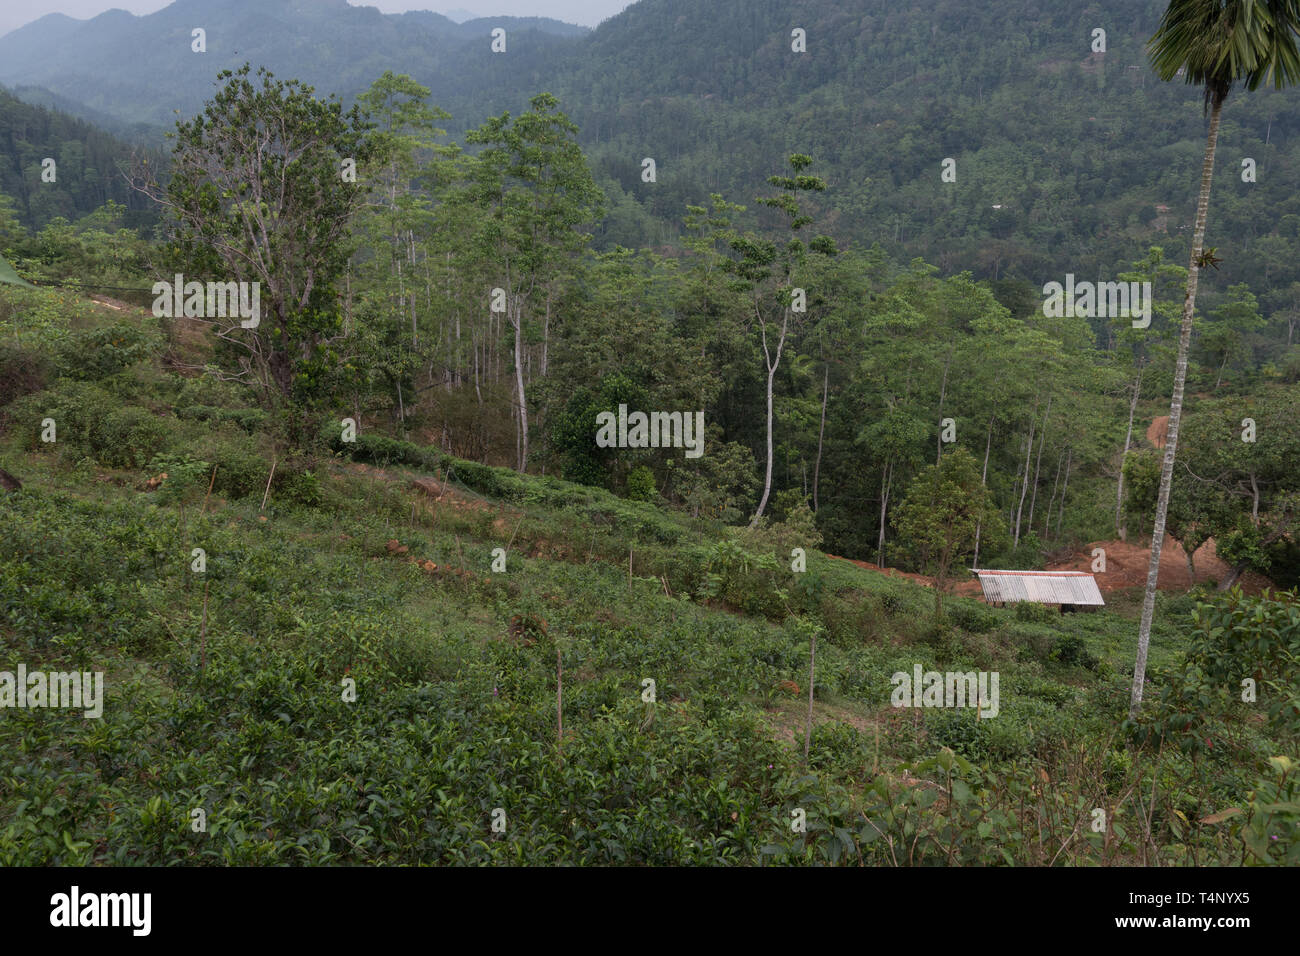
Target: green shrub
(297, 484)
(837, 747)
(1034, 613)
(186, 476)
(96, 353)
(1071, 651)
(641, 484)
(972, 617)
(77, 408)
(129, 437)
(251, 420)
(23, 370)
(242, 469)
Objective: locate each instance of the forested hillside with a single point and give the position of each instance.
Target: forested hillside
(1067, 160)
(87, 167)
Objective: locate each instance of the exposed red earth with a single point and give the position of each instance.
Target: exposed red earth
(1126, 567)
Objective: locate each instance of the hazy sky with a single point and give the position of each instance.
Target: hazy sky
(585, 12)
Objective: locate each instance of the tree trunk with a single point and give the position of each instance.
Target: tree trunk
(1024, 487)
(518, 324)
(1033, 500)
(886, 478)
(821, 431)
(1231, 579)
(771, 375)
(1175, 410)
(988, 442)
(943, 391)
(546, 334)
(1060, 520)
(1121, 531)
(1056, 483)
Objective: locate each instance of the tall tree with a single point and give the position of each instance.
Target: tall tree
(1136, 349)
(396, 221)
(533, 183)
(759, 259)
(939, 517)
(1216, 43)
(256, 195)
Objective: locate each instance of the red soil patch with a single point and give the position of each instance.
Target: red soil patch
(1156, 435)
(1126, 566)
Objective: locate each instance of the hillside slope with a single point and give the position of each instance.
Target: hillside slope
(379, 653)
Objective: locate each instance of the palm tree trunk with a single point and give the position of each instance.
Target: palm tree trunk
(1175, 411)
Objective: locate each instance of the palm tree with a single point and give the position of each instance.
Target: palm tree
(1214, 43)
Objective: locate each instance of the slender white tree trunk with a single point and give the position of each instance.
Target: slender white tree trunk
(886, 478)
(1024, 487)
(979, 525)
(1060, 519)
(771, 375)
(1033, 500)
(518, 324)
(1120, 530)
(821, 431)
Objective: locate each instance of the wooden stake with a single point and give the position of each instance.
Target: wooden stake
(211, 482)
(559, 703)
(515, 532)
(268, 485)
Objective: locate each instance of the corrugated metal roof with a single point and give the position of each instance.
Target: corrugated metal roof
(1042, 587)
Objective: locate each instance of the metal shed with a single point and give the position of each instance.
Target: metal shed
(1066, 588)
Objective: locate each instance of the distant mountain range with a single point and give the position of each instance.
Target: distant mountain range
(1068, 158)
(143, 69)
